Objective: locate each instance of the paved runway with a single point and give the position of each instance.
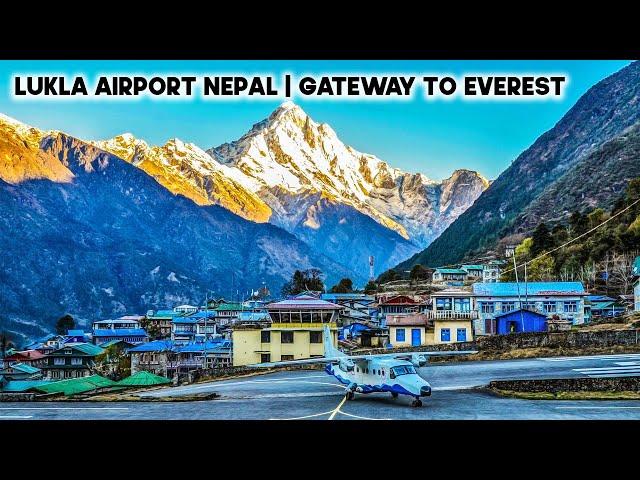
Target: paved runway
(315, 395)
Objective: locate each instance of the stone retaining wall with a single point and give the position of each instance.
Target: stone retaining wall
(555, 385)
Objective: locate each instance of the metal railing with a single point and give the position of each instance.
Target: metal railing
(450, 314)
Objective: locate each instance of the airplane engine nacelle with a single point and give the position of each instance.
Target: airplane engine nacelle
(418, 360)
(347, 365)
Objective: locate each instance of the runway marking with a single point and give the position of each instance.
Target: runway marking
(584, 407)
(64, 408)
(591, 357)
(337, 409)
(17, 417)
(603, 372)
(623, 364)
(306, 416)
(362, 418)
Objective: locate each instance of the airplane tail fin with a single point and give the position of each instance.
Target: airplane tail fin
(329, 349)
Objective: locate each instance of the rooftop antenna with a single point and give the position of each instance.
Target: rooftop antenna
(371, 275)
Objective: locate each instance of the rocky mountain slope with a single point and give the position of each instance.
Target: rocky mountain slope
(84, 232)
(295, 173)
(551, 177)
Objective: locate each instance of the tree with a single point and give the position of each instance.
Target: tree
(113, 363)
(418, 272)
(6, 342)
(302, 281)
(152, 329)
(541, 269)
(64, 324)
(344, 286)
(578, 224)
(621, 272)
(370, 287)
(542, 240)
(388, 276)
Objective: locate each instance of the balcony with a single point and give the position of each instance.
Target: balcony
(450, 314)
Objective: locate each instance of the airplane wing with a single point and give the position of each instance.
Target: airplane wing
(398, 355)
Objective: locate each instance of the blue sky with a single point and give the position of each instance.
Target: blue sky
(434, 137)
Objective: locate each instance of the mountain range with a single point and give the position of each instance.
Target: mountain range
(102, 228)
(584, 161)
(297, 174)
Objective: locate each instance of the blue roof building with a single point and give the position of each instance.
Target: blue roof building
(561, 300)
(130, 335)
(520, 321)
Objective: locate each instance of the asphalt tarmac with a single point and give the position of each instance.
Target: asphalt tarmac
(314, 395)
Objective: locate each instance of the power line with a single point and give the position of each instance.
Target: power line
(574, 239)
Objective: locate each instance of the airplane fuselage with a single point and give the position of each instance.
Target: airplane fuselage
(397, 377)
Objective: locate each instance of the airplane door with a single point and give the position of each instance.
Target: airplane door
(415, 337)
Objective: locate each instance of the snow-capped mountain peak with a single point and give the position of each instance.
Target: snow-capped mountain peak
(289, 154)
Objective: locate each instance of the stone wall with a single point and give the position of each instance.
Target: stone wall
(579, 384)
(17, 397)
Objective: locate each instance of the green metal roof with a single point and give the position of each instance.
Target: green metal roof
(143, 379)
(456, 271)
(228, 306)
(74, 386)
(88, 348)
(472, 267)
(24, 368)
(23, 385)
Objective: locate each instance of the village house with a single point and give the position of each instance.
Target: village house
(491, 271)
(453, 275)
(131, 335)
(20, 371)
(564, 300)
(473, 271)
(520, 321)
(602, 306)
(33, 358)
(356, 306)
(198, 355)
(73, 360)
(395, 304)
(46, 344)
(453, 312)
(184, 329)
(294, 331)
(228, 312)
(161, 321)
(413, 329)
(151, 357)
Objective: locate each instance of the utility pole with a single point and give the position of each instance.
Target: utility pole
(206, 317)
(518, 287)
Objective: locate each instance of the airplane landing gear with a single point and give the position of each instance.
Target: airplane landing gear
(349, 395)
(394, 394)
(416, 403)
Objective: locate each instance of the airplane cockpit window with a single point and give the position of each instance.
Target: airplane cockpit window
(402, 370)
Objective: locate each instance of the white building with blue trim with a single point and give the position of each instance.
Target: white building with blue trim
(566, 300)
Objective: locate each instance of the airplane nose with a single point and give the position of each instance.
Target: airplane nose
(425, 391)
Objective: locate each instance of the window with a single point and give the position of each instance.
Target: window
(55, 374)
(571, 307)
(265, 357)
(529, 305)
(462, 305)
(374, 371)
(508, 306)
(402, 370)
(445, 335)
(315, 337)
(487, 307)
(286, 337)
(549, 307)
(58, 361)
(265, 336)
(443, 304)
(461, 335)
(76, 361)
(284, 358)
(399, 334)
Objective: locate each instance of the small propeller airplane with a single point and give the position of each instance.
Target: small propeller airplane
(387, 372)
